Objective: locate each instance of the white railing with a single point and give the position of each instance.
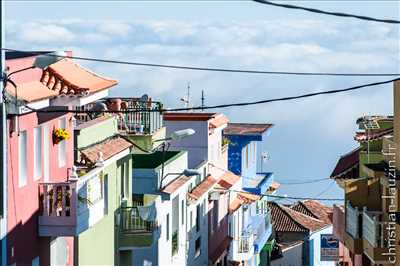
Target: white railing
(371, 228)
(353, 221)
(57, 199)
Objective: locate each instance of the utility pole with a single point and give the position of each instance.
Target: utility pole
(3, 145)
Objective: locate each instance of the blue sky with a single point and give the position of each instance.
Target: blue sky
(308, 136)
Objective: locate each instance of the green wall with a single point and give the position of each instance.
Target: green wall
(99, 244)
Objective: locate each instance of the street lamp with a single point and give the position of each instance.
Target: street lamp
(41, 61)
(176, 135)
(186, 172)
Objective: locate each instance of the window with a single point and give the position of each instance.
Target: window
(198, 215)
(197, 247)
(183, 211)
(62, 146)
(22, 159)
(137, 199)
(167, 225)
(212, 221)
(124, 180)
(191, 220)
(37, 155)
(105, 193)
(204, 172)
(204, 210)
(247, 156)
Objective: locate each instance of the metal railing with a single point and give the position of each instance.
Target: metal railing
(139, 117)
(131, 222)
(353, 220)
(245, 243)
(371, 229)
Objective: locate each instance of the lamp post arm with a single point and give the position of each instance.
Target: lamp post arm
(19, 70)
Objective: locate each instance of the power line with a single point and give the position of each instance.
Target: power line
(306, 182)
(286, 98)
(289, 98)
(338, 14)
(293, 198)
(213, 69)
(325, 190)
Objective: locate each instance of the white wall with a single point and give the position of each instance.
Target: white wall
(317, 247)
(291, 257)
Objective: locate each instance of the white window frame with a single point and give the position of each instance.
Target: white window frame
(22, 156)
(62, 145)
(37, 153)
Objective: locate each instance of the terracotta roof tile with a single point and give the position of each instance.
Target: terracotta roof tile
(286, 219)
(346, 163)
(108, 147)
(282, 221)
(242, 198)
(228, 179)
(176, 184)
(374, 135)
(62, 78)
(31, 91)
(317, 210)
(203, 187)
(246, 129)
(75, 77)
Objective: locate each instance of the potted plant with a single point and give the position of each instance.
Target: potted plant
(60, 134)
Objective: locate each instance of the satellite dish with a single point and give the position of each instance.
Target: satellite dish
(144, 98)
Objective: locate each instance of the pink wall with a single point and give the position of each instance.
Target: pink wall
(23, 203)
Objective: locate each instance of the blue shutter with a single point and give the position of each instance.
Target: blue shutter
(311, 246)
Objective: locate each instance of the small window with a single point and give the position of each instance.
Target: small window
(247, 156)
(197, 247)
(62, 146)
(167, 229)
(183, 211)
(204, 172)
(22, 159)
(37, 155)
(198, 216)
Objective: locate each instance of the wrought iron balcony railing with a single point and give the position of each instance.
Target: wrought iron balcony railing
(130, 221)
(139, 117)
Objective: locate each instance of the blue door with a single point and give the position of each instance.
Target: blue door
(311, 246)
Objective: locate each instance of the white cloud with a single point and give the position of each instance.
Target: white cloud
(45, 33)
(114, 28)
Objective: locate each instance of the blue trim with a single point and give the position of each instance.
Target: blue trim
(251, 185)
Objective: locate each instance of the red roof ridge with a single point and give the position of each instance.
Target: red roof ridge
(293, 213)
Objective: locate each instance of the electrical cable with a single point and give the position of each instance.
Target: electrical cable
(293, 198)
(288, 98)
(211, 69)
(338, 14)
(306, 182)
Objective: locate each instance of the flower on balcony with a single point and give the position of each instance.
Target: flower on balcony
(60, 134)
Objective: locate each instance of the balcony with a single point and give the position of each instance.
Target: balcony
(338, 222)
(142, 122)
(69, 208)
(262, 228)
(133, 230)
(352, 237)
(242, 247)
(373, 236)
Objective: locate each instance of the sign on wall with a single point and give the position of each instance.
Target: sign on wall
(329, 248)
